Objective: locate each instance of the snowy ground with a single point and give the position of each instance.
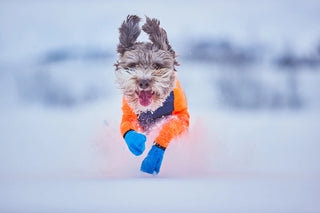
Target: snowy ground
(69, 161)
(60, 145)
(219, 194)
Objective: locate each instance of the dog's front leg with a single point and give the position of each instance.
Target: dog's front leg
(130, 130)
(175, 127)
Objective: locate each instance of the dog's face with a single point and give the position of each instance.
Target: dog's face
(145, 72)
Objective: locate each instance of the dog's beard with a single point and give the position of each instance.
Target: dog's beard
(162, 82)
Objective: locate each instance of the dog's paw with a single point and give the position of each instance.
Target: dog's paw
(152, 163)
(136, 142)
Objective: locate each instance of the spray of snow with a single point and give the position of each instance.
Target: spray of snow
(186, 156)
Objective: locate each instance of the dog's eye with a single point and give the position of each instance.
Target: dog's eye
(132, 65)
(157, 66)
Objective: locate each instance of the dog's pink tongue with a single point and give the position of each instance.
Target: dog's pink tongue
(145, 98)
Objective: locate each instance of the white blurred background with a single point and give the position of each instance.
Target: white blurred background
(251, 74)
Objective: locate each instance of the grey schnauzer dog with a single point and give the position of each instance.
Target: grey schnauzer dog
(146, 74)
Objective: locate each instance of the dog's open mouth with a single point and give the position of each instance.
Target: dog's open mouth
(145, 97)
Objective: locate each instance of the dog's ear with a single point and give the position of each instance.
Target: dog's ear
(157, 35)
(129, 32)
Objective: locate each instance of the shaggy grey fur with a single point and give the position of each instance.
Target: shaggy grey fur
(129, 32)
(138, 61)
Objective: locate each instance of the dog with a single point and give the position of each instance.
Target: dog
(147, 76)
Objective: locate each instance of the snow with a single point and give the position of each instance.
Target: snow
(70, 161)
(60, 143)
(171, 195)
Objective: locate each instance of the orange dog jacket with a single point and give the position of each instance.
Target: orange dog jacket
(174, 106)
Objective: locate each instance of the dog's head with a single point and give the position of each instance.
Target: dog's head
(145, 72)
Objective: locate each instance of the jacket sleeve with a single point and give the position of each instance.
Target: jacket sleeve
(129, 118)
(179, 121)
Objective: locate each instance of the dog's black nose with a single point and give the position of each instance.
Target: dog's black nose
(144, 84)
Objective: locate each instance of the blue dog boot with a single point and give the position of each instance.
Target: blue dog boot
(152, 163)
(135, 141)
